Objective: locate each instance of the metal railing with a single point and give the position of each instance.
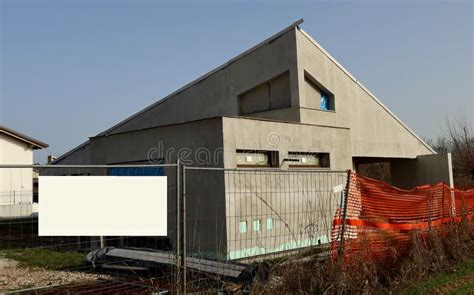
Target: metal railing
(16, 197)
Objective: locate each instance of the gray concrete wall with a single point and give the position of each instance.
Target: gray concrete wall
(206, 227)
(285, 115)
(255, 134)
(213, 211)
(185, 140)
(217, 94)
(197, 143)
(427, 169)
(375, 132)
(300, 204)
(294, 209)
(210, 207)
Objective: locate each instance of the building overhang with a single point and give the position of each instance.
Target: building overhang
(34, 143)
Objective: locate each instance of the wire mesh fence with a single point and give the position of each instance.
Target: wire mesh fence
(28, 259)
(218, 221)
(19, 220)
(245, 214)
(272, 212)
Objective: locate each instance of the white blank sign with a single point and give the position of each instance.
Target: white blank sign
(102, 206)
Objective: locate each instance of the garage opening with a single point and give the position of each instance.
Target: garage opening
(375, 168)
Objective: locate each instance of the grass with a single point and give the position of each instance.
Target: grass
(46, 258)
(459, 282)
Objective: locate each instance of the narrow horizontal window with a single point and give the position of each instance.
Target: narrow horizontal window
(308, 160)
(247, 158)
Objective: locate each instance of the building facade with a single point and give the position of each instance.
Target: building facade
(16, 185)
(284, 104)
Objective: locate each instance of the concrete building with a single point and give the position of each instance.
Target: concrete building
(286, 103)
(16, 185)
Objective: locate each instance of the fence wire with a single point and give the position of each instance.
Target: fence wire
(30, 263)
(219, 220)
(277, 211)
(247, 214)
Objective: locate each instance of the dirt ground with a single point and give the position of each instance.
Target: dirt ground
(13, 277)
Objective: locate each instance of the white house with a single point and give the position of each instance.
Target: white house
(16, 185)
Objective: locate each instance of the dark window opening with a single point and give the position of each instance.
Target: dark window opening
(317, 96)
(271, 95)
(308, 160)
(324, 102)
(257, 159)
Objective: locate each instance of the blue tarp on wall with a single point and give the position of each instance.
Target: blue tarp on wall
(136, 171)
(324, 105)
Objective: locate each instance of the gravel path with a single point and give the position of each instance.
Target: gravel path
(14, 277)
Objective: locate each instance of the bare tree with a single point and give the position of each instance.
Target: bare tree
(459, 134)
(441, 145)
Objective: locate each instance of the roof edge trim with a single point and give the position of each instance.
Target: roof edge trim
(37, 144)
(365, 89)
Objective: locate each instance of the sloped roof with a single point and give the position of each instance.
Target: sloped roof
(296, 24)
(358, 83)
(36, 144)
(201, 78)
(190, 84)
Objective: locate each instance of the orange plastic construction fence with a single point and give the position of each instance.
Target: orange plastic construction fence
(379, 217)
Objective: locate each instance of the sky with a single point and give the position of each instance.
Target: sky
(71, 69)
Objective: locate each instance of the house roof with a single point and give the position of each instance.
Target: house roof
(203, 77)
(36, 144)
(328, 55)
(190, 84)
(294, 25)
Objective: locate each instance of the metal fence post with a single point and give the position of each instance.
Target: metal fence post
(344, 213)
(183, 218)
(178, 225)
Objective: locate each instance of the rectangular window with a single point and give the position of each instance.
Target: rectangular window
(243, 227)
(271, 95)
(248, 158)
(317, 96)
(269, 223)
(308, 160)
(256, 225)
